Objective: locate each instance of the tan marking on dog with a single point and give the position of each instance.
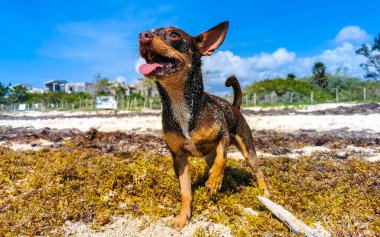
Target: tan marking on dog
(207, 134)
(174, 142)
(205, 138)
(242, 146)
(185, 183)
(168, 51)
(179, 145)
(174, 83)
(216, 173)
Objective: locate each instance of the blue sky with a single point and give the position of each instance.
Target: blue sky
(74, 40)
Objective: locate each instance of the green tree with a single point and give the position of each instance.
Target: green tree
(291, 76)
(18, 94)
(319, 75)
(3, 92)
(103, 85)
(148, 83)
(372, 53)
(342, 72)
(120, 92)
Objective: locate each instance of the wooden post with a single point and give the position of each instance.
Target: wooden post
(254, 99)
(294, 224)
(72, 106)
(150, 103)
(337, 95)
(364, 94)
(246, 100)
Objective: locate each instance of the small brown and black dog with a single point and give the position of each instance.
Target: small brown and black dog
(195, 123)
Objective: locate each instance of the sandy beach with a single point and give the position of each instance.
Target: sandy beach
(340, 132)
(295, 119)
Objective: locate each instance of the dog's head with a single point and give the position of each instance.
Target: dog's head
(170, 52)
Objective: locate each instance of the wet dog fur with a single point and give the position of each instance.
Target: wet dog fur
(195, 123)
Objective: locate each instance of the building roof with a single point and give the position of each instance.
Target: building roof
(22, 84)
(55, 81)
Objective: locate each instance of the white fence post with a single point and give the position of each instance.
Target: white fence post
(291, 97)
(311, 97)
(337, 95)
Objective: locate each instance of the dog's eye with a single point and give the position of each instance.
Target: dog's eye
(174, 35)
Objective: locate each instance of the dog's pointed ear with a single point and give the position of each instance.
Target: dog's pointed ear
(210, 40)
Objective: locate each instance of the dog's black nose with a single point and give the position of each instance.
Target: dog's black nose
(145, 37)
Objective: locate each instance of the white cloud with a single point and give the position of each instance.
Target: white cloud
(121, 79)
(343, 56)
(110, 47)
(225, 63)
(352, 34)
(279, 63)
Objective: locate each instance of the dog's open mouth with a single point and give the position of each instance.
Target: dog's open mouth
(159, 65)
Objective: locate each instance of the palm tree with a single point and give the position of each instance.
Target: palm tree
(319, 74)
(371, 52)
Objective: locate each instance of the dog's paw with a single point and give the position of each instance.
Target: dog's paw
(178, 222)
(214, 183)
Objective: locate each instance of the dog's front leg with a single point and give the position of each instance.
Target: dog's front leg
(215, 178)
(182, 170)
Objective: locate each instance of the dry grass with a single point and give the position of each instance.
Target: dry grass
(40, 190)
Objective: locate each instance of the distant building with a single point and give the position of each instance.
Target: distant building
(37, 90)
(142, 88)
(55, 85)
(27, 86)
(130, 89)
(80, 87)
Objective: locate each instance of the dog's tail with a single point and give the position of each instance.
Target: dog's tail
(233, 81)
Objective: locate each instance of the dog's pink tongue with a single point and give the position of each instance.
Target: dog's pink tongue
(145, 69)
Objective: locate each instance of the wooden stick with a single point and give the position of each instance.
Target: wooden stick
(290, 220)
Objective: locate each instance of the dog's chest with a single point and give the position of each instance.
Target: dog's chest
(182, 116)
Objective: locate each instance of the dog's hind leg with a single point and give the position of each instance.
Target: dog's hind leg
(210, 158)
(244, 141)
(215, 178)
